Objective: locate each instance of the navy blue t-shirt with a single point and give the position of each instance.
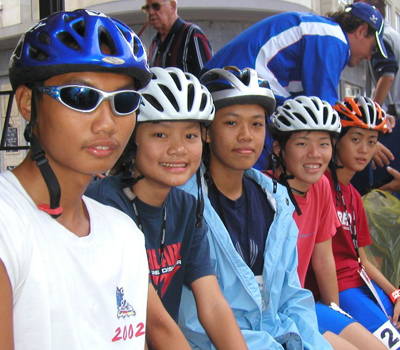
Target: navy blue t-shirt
(247, 220)
(186, 255)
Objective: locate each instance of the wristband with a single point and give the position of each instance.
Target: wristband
(395, 295)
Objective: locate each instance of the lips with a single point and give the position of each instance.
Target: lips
(312, 166)
(174, 165)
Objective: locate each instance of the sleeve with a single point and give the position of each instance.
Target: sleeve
(200, 51)
(363, 235)
(324, 59)
(15, 246)
(199, 264)
(384, 66)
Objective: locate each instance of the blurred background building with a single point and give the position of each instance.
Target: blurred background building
(221, 20)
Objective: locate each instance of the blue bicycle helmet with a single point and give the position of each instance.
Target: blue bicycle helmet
(74, 41)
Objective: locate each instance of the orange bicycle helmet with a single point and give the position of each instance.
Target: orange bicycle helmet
(361, 112)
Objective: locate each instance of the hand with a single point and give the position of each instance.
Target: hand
(391, 122)
(394, 185)
(396, 313)
(382, 156)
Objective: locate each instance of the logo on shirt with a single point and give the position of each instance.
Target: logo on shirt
(161, 276)
(124, 308)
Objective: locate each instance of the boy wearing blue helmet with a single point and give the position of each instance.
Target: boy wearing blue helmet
(70, 278)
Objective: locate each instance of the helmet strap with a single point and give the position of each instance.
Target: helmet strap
(38, 155)
(200, 201)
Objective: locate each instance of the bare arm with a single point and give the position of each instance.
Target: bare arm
(376, 276)
(216, 315)
(162, 332)
(394, 185)
(324, 268)
(382, 156)
(382, 88)
(6, 311)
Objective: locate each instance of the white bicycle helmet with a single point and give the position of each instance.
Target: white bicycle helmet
(173, 95)
(361, 112)
(231, 86)
(305, 114)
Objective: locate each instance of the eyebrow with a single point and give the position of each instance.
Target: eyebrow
(84, 82)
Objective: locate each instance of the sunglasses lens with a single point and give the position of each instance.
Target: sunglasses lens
(81, 98)
(126, 102)
(156, 6)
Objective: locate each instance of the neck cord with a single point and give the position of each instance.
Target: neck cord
(220, 211)
(301, 193)
(132, 197)
(352, 225)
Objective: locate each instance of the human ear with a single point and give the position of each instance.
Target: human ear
(276, 148)
(205, 134)
(23, 97)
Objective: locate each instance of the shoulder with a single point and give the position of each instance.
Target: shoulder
(181, 199)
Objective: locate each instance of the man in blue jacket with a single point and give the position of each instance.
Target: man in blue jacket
(303, 53)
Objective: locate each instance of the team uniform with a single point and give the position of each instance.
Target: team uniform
(354, 296)
(272, 310)
(298, 53)
(186, 250)
(63, 284)
(185, 47)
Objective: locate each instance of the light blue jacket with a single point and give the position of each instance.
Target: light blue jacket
(289, 312)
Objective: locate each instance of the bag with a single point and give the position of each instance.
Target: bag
(383, 214)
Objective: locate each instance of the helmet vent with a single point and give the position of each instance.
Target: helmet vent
(37, 54)
(167, 92)
(203, 102)
(284, 120)
(190, 96)
(106, 40)
(44, 38)
(79, 28)
(301, 118)
(153, 101)
(176, 80)
(68, 40)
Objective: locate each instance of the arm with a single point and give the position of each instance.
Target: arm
(200, 52)
(161, 330)
(382, 88)
(324, 268)
(216, 315)
(376, 276)
(394, 185)
(6, 311)
(382, 156)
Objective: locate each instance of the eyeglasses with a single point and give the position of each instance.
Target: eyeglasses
(156, 6)
(86, 99)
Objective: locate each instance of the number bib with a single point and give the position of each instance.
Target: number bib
(388, 335)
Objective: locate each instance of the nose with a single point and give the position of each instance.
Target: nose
(313, 151)
(177, 147)
(244, 133)
(104, 119)
(363, 147)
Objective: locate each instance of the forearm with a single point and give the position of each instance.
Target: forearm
(161, 330)
(216, 316)
(382, 88)
(374, 274)
(226, 334)
(324, 268)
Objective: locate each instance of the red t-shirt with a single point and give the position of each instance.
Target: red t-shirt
(317, 223)
(342, 243)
